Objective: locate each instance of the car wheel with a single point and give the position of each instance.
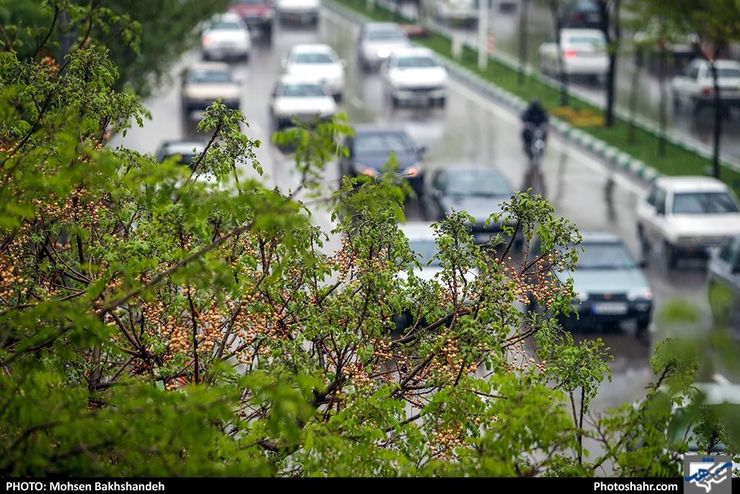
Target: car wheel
(338, 97)
(671, 255)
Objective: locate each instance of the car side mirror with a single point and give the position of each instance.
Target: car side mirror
(642, 264)
(422, 150)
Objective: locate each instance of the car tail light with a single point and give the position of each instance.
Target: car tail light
(707, 91)
(570, 53)
(207, 40)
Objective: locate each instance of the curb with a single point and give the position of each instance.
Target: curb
(611, 155)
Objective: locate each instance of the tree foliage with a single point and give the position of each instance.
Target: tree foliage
(156, 323)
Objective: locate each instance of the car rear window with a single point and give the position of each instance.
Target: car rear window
(729, 73)
(313, 58)
(226, 26)
(386, 35)
(415, 62)
(703, 203)
(586, 41)
(382, 142)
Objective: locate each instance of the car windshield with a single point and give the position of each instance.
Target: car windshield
(301, 90)
(225, 26)
(383, 143)
(425, 250)
(604, 255)
(415, 62)
(209, 76)
(703, 203)
(386, 35)
(313, 58)
(483, 184)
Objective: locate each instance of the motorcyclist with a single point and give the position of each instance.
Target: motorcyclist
(534, 116)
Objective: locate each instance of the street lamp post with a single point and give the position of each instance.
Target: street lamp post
(483, 34)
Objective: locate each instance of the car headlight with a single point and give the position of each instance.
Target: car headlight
(383, 53)
(367, 171)
(643, 293)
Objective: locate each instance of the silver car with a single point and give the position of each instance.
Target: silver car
(724, 286)
(377, 41)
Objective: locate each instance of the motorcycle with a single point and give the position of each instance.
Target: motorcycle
(538, 134)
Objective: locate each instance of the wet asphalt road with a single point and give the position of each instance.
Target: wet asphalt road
(471, 130)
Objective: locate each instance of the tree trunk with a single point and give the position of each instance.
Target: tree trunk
(564, 95)
(717, 119)
(523, 38)
(613, 47)
(639, 61)
(662, 118)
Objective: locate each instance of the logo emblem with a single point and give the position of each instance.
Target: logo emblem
(707, 474)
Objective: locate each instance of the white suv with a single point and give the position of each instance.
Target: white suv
(687, 217)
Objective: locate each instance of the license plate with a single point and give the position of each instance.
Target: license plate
(609, 308)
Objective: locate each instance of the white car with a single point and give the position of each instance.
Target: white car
(687, 217)
(583, 54)
(298, 10)
(694, 87)
(317, 63)
(377, 41)
(297, 99)
(413, 75)
(226, 36)
(205, 82)
(457, 11)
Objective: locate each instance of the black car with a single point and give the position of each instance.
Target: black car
(479, 191)
(584, 14)
(371, 148)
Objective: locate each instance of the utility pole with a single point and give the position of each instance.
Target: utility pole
(483, 34)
